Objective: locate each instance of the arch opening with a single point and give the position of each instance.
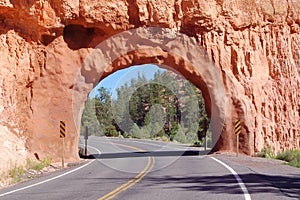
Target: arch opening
(158, 46)
(161, 104)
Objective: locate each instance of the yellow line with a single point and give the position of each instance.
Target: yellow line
(135, 180)
(130, 147)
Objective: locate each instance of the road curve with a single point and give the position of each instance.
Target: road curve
(135, 169)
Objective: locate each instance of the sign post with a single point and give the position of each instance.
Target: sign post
(86, 136)
(62, 135)
(237, 131)
(205, 142)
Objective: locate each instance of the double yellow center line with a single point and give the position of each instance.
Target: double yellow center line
(133, 181)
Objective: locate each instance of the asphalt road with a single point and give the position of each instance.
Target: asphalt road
(134, 169)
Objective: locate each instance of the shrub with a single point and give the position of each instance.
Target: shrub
(180, 136)
(31, 164)
(191, 137)
(290, 156)
(126, 135)
(38, 165)
(198, 143)
(173, 131)
(16, 173)
(135, 132)
(165, 138)
(110, 131)
(267, 152)
(47, 161)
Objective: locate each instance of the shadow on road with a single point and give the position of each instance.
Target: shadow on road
(288, 186)
(257, 184)
(146, 154)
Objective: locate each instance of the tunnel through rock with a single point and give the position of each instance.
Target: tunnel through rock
(255, 49)
(160, 47)
(83, 69)
(147, 101)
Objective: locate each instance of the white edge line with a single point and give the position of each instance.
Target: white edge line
(237, 177)
(51, 179)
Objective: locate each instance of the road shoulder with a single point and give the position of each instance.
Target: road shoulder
(271, 177)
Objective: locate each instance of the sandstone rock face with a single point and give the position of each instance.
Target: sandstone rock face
(254, 44)
(13, 152)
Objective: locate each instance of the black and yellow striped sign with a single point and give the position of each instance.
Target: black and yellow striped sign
(62, 128)
(237, 128)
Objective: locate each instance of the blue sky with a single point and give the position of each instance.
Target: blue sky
(119, 78)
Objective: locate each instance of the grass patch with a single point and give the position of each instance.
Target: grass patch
(290, 156)
(267, 152)
(38, 165)
(18, 173)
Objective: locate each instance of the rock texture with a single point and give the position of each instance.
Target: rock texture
(255, 44)
(13, 150)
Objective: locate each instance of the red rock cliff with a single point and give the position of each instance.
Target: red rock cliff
(255, 44)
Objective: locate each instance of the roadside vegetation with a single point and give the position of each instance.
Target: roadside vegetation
(19, 173)
(291, 156)
(267, 152)
(178, 107)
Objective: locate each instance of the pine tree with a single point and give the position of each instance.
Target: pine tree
(146, 109)
(89, 119)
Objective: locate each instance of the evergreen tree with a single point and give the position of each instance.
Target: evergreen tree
(103, 108)
(180, 135)
(89, 119)
(120, 110)
(166, 104)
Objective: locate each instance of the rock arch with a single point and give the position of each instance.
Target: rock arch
(138, 46)
(160, 46)
(254, 44)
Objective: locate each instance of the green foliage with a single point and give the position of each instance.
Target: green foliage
(173, 131)
(191, 137)
(164, 138)
(155, 130)
(267, 152)
(166, 106)
(136, 132)
(121, 114)
(290, 156)
(126, 135)
(38, 165)
(89, 118)
(180, 135)
(198, 143)
(17, 173)
(110, 131)
(31, 164)
(47, 161)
